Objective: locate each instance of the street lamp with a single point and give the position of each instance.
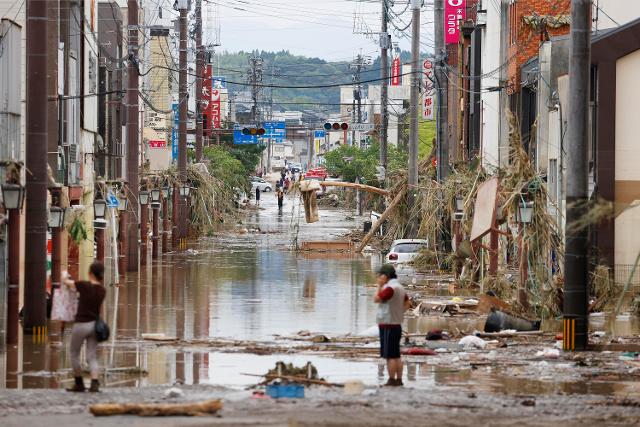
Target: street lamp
(166, 190)
(56, 217)
(13, 196)
(144, 197)
(155, 195)
(99, 208)
(185, 190)
(123, 202)
(525, 212)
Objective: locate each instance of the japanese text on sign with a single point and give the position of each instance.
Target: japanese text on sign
(454, 12)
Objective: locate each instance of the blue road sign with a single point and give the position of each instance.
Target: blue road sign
(277, 131)
(112, 200)
(219, 82)
(319, 134)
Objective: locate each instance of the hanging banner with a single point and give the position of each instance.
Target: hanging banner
(215, 108)
(395, 72)
(428, 94)
(454, 12)
(174, 132)
(207, 101)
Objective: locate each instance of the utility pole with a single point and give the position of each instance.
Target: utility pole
(576, 319)
(413, 109)
(35, 260)
(199, 79)
(181, 217)
(133, 178)
(442, 141)
(384, 84)
(358, 66)
(255, 80)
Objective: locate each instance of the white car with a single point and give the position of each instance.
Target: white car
(257, 182)
(405, 250)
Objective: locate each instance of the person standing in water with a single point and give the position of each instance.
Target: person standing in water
(280, 195)
(257, 196)
(392, 301)
(91, 296)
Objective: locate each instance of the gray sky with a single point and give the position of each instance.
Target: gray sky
(316, 28)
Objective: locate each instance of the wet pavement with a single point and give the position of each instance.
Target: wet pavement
(247, 285)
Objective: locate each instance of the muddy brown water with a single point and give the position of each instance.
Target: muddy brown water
(248, 285)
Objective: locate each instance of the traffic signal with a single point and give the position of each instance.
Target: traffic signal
(253, 131)
(336, 126)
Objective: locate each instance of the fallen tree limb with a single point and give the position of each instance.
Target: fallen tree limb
(396, 200)
(296, 379)
(362, 187)
(209, 407)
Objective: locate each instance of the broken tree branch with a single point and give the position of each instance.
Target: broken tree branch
(362, 187)
(208, 407)
(381, 220)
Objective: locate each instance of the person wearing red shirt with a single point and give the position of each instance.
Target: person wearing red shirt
(392, 301)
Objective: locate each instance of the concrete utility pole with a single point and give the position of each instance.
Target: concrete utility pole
(413, 109)
(133, 177)
(576, 319)
(384, 84)
(199, 79)
(181, 217)
(357, 66)
(442, 140)
(35, 263)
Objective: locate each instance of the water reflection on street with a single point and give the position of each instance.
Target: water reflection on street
(247, 284)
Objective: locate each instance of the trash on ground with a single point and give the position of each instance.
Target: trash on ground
(286, 391)
(353, 387)
(174, 392)
(418, 351)
(549, 353)
(498, 321)
(471, 341)
(208, 407)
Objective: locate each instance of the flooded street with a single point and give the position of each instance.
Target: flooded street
(224, 312)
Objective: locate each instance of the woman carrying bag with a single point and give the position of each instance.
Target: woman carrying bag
(91, 295)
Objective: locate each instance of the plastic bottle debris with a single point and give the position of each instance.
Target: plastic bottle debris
(471, 341)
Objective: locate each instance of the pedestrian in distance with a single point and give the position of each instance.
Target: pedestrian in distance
(257, 196)
(280, 195)
(392, 302)
(91, 295)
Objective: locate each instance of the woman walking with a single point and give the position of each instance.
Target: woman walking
(91, 296)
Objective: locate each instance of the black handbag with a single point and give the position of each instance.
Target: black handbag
(102, 330)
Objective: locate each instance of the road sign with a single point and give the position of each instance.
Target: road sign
(277, 131)
(362, 127)
(112, 200)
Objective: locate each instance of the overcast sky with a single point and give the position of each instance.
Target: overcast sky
(312, 28)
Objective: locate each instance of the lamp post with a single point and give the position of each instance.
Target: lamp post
(166, 194)
(99, 225)
(13, 197)
(57, 215)
(144, 220)
(525, 216)
(155, 208)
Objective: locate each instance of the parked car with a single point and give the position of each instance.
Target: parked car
(405, 250)
(257, 182)
(295, 167)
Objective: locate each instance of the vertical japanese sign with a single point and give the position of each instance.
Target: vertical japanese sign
(454, 11)
(215, 108)
(427, 97)
(174, 132)
(206, 100)
(395, 72)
